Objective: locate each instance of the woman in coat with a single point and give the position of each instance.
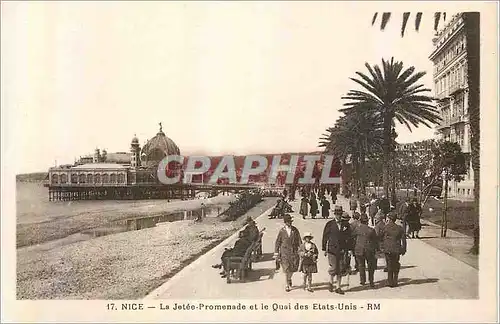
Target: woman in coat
(286, 249)
(325, 207)
(303, 207)
(413, 220)
(314, 205)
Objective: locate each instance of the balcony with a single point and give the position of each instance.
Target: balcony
(444, 124)
(459, 119)
(456, 88)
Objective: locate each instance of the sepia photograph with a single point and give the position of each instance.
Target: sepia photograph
(249, 161)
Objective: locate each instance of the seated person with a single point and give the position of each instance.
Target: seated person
(251, 231)
(240, 247)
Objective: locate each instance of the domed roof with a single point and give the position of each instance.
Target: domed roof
(158, 147)
(135, 140)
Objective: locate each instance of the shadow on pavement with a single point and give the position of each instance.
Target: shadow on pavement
(408, 281)
(401, 282)
(402, 267)
(265, 257)
(260, 274)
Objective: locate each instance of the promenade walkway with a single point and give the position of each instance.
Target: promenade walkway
(427, 272)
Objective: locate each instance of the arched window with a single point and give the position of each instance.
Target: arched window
(121, 178)
(64, 178)
(81, 178)
(113, 178)
(74, 178)
(97, 178)
(55, 178)
(105, 178)
(90, 178)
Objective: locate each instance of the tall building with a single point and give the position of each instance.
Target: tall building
(450, 86)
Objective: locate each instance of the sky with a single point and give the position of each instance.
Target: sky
(223, 78)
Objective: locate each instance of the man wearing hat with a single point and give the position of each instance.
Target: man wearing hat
(394, 245)
(251, 230)
(287, 249)
(364, 250)
(334, 244)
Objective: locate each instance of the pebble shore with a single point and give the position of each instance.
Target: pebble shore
(126, 265)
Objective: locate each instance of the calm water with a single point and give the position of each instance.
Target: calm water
(33, 206)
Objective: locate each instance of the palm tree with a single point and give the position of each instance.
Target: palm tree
(472, 32)
(355, 135)
(392, 93)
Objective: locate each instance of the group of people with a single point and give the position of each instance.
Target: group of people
(343, 237)
(309, 202)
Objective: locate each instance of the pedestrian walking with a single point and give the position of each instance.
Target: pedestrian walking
(379, 226)
(286, 249)
(314, 205)
(304, 206)
(394, 245)
(334, 246)
(353, 204)
(308, 252)
(373, 208)
(365, 249)
(403, 215)
(384, 205)
(414, 225)
(363, 203)
(325, 207)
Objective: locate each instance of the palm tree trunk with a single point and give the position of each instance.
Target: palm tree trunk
(472, 32)
(386, 158)
(355, 178)
(362, 166)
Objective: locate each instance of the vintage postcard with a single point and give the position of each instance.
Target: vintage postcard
(249, 161)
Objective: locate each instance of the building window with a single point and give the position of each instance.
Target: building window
(64, 178)
(55, 178)
(105, 178)
(468, 192)
(97, 178)
(90, 178)
(81, 178)
(121, 178)
(113, 178)
(74, 178)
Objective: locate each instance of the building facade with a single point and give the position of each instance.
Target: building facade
(451, 90)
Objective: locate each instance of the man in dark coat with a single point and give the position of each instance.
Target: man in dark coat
(286, 249)
(394, 245)
(379, 226)
(314, 205)
(335, 246)
(364, 250)
(325, 207)
(384, 205)
(403, 214)
(373, 208)
(240, 247)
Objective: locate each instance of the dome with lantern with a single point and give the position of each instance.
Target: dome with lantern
(157, 148)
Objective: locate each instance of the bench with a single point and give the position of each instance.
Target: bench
(239, 266)
(257, 251)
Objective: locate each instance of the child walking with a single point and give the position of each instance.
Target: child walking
(308, 253)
